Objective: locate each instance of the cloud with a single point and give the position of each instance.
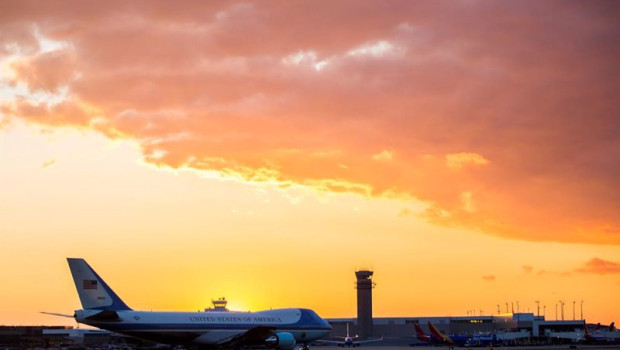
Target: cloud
(599, 267)
(489, 278)
(593, 266)
(49, 163)
(468, 202)
(35, 73)
(499, 120)
(459, 160)
(527, 269)
(384, 156)
(554, 273)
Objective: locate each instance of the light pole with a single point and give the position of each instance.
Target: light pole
(498, 311)
(537, 308)
(573, 310)
(544, 311)
(581, 310)
(556, 311)
(562, 309)
(506, 307)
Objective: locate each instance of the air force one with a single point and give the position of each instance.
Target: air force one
(276, 329)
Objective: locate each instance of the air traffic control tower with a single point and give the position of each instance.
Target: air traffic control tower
(364, 286)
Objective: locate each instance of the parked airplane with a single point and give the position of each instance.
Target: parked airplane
(349, 341)
(599, 336)
(420, 334)
(278, 328)
(440, 337)
(437, 337)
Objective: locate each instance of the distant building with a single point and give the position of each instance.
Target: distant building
(26, 336)
(30, 337)
(402, 327)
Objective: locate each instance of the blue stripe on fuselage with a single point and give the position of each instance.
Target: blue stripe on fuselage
(196, 327)
(308, 320)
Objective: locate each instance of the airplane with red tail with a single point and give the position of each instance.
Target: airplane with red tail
(437, 337)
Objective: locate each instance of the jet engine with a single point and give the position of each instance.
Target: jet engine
(281, 340)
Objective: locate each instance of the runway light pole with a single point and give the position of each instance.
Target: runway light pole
(573, 310)
(537, 307)
(582, 309)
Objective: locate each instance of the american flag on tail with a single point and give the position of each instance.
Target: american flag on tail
(89, 284)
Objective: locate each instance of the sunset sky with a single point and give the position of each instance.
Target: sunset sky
(467, 151)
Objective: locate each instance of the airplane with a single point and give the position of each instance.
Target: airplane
(276, 329)
(608, 337)
(349, 341)
(420, 333)
(437, 337)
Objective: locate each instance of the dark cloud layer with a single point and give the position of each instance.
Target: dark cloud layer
(501, 115)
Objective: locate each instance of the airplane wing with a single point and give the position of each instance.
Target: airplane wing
(323, 341)
(57, 314)
(104, 315)
(368, 341)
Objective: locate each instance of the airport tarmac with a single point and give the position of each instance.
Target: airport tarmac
(540, 347)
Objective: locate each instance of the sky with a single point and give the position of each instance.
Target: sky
(466, 151)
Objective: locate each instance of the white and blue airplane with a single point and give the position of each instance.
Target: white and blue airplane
(276, 329)
(349, 341)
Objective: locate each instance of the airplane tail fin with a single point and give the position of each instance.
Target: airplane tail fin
(93, 291)
(419, 332)
(438, 335)
(586, 332)
(612, 326)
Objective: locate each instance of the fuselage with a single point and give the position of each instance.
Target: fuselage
(348, 341)
(208, 328)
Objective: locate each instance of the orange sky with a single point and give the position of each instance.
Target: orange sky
(467, 151)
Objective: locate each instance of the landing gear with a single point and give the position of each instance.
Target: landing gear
(304, 346)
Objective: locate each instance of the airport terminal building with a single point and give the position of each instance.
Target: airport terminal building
(509, 328)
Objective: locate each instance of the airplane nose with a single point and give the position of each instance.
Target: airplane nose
(327, 325)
